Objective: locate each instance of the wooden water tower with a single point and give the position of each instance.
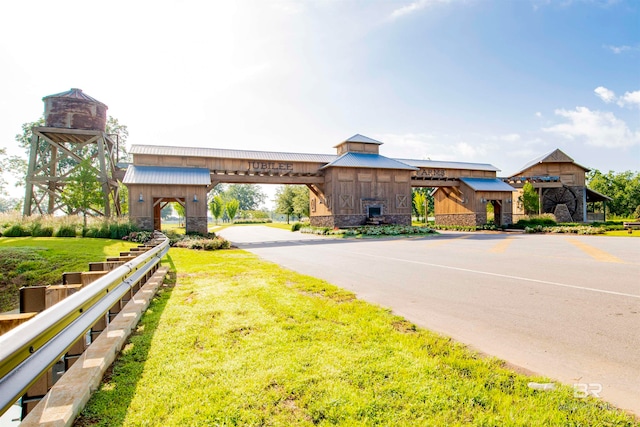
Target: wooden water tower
(74, 130)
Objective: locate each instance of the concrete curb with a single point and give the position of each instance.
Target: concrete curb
(69, 395)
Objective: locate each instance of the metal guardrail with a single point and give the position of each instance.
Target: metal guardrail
(32, 348)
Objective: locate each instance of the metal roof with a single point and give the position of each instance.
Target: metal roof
(555, 156)
(435, 164)
(594, 196)
(361, 138)
(487, 184)
(74, 93)
(160, 150)
(165, 175)
(367, 160)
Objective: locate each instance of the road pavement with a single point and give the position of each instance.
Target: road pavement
(563, 306)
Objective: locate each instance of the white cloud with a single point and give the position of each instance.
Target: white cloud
(631, 99)
(596, 128)
(538, 114)
(619, 49)
(605, 94)
(414, 7)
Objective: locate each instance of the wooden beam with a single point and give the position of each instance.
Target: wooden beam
(256, 179)
(418, 182)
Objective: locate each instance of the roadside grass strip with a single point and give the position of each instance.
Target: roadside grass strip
(240, 341)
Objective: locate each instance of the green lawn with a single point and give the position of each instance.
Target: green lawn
(623, 233)
(242, 342)
(28, 261)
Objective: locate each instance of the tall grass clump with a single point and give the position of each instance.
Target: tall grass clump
(16, 230)
(39, 230)
(66, 230)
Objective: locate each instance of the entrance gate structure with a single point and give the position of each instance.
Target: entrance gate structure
(352, 187)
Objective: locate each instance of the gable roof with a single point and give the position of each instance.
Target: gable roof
(166, 175)
(163, 150)
(367, 160)
(361, 138)
(555, 156)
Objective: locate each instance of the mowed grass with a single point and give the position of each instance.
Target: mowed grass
(242, 342)
(623, 233)
(31, 261)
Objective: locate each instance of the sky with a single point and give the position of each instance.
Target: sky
(488, 81)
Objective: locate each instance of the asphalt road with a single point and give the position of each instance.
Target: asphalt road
(566, 307)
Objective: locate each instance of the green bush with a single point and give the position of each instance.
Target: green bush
(296, 226)
(138, 236)
(16, 230)
(38, 230)
(369, 230)
(67, 230)
(535, 221)
(252, 221)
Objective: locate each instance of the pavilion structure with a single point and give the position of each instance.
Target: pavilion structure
(355, 186)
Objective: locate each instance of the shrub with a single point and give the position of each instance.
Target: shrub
(38, 230)
(544, 220)
(210, 242)
(252, 221)
(296, 226)
(138, 236)
(369, 230)
(16, 230)
(66, 230)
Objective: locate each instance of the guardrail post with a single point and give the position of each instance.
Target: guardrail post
(33, 299)
(37, 391)
(57, 293)
(99, 326)
(75, 352)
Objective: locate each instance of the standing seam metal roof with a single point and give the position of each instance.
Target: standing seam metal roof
(487, 184)
(166, 175)
(74, 93)
(159, 150)
(436, 164)
(366, 160)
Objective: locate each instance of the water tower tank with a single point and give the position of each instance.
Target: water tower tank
(74, 110)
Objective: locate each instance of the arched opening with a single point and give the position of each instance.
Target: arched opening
(160, 203)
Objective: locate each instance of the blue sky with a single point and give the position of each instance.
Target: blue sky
(499, 82)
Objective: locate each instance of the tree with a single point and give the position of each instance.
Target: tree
(285, 196)
(232, 208)
(179, 210)
(529, 199)
(428, 198)
(301, 200)
(83, 191)
(216, 206)
(622, 187)
(249, 196)
(420, 205)
(119, 133)
(3, 168)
